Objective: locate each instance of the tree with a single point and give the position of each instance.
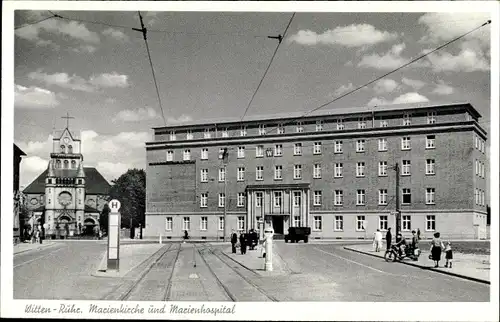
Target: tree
(130, 190)
(103, 218)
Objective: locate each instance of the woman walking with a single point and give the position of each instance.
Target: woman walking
(436, 248)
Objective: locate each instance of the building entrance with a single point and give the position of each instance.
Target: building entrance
(278, 224)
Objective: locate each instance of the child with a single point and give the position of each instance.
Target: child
(449, 254)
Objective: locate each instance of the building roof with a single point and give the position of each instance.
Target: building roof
(323, 112)
(18, 151)
(94, 181)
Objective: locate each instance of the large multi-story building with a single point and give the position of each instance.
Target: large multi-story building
(332, 170)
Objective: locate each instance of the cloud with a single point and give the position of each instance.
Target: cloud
(71, 29)
(85, 48)
(181, 119)
(467, 60)
(349, 36)
(31, 167)
(112, 170)
(378, 101)
(34, 97)
(416, 84)
(343, 89)
(36, 147)
(411, 97)
(116, 34)
(151, 18)
(443, 89)
(78, 83)
(141, 114)
(385, 86)
(390, 60)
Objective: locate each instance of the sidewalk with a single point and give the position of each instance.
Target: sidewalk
(254, 261)
(131, 256)
(468, 266)
(25, 247)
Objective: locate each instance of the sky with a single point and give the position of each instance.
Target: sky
(208, 65)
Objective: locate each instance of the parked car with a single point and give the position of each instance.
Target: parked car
(298, 233)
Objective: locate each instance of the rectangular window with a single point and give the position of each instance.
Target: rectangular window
(360, 223)
(407, 119)
(259, 151)
(262, 129)
(278, 150)
(300, 127)
(338, 146)
(382, 144)
(477, 167)
(241, 174)
(340, 124)
(241, 223)
(338, 170)
(204, 223)
(241, 199)
(383, 123)
(406, 196)
(430, 142)
(339, 223)
(241, 152)
(204, 175)
(172, 136)
(431, 117)
(278, 172)
(476, 196)
(382, 197)
(278, 199)
(319, 126)
(382, 168)
(406, 223)
(362, 123)
(297, 171)
(168, 223)
(317, 198)
(189, 135)
(221, 223)
(243, 131)
(430, 194)
(360, 197)
(339, 198)
(430, 222)
(281, 129)
(383, 222)
(225, 133)
(187, 155)
(296, 221)
(297, 149)
(297, 198)
(170, 155)
(259, 173)
(258, 199)
(222, 174)
(222, 151)
(204, 154)
(317, 171)
(207, 134)
(430, 166)
(406, 168)
(360, 169)
(222, 200)
(317, 223)
(186, 223)
(360, 146)
(204, 200)
(405, 143)
(317, 148)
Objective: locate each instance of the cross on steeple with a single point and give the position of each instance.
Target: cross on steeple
(67, 117)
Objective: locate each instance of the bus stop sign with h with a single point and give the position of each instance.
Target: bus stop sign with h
(114, 235)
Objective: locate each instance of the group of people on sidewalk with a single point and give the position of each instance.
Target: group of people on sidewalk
(246, 240)
(437, 245)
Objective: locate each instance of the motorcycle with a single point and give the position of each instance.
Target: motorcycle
(395, 254)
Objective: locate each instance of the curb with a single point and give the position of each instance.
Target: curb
(427, 268)
(35, 249)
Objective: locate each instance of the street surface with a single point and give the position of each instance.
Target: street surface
(198, 272)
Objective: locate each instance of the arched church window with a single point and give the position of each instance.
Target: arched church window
(63, 149)
(70, 149)
(73, 164)
(66, 164)
(58, 164)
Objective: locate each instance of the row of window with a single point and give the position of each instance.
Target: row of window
(479, 197)
(65, 164)
(480, 168)
(297, 150)
(280, 129)
(383, 223)
(430, 199)
(186, 223)
(63, 149)
(479, 144)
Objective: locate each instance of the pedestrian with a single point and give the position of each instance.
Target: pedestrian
(418, 233)
(243, 245)
(234, 240)
(37, 236)
(436, 248)
(414, 242)
(448, 254)
(377, 240)
(186, 235)
(388, 238)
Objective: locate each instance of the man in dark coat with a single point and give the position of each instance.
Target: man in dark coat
(234, 240)
(243, 244)
(388, 238)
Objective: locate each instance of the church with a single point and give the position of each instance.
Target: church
(69, 195)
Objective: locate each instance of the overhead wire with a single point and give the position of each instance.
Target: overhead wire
(34, 23)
